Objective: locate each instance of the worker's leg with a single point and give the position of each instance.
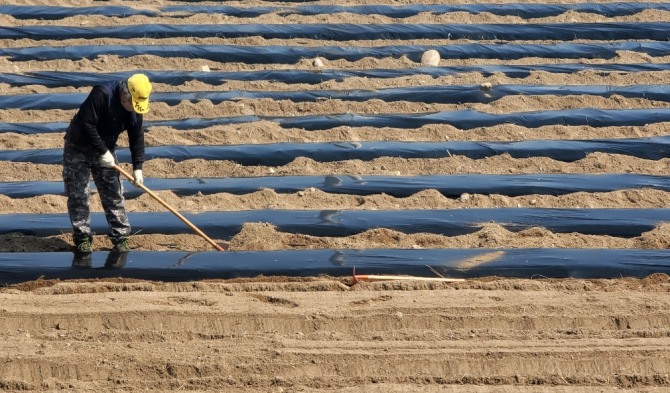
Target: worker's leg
(110, 189)
(76, 177)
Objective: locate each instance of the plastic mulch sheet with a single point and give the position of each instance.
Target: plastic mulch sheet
(453, 263)
(526, 11)
(56, 12)
(656, 31)
(463, 120)
(292, 76)
(398, 186)
(337, 223)
(283, 54)
(450, 94)
(276, 154)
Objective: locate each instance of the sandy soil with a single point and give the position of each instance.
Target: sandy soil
(323, 334)
(282, 335)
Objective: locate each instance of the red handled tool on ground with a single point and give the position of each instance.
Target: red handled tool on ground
(382, 277)
(170, 208)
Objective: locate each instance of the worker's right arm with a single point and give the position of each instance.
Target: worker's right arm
(89, 115)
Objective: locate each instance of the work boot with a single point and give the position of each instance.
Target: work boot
(84, 245)
(121, 245)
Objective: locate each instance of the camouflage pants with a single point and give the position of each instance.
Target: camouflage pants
(77, 170)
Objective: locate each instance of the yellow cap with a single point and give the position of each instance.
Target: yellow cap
(140, 89)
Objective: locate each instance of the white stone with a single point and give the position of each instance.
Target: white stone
(318, 62)
(430, 57)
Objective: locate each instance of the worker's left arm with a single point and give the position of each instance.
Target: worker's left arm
(136, 142)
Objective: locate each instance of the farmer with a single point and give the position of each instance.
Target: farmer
(90, 141)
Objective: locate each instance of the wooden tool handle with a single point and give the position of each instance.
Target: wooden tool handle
(170, 208)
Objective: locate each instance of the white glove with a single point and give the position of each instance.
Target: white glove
(137, 174)
(107, 160)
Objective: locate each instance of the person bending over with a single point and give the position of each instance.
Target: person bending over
(90, 141)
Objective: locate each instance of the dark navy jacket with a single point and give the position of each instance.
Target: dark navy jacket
(101, 119)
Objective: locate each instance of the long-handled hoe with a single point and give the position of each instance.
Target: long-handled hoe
(170, 208)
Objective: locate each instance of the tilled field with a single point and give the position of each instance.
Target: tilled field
(318, 334)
